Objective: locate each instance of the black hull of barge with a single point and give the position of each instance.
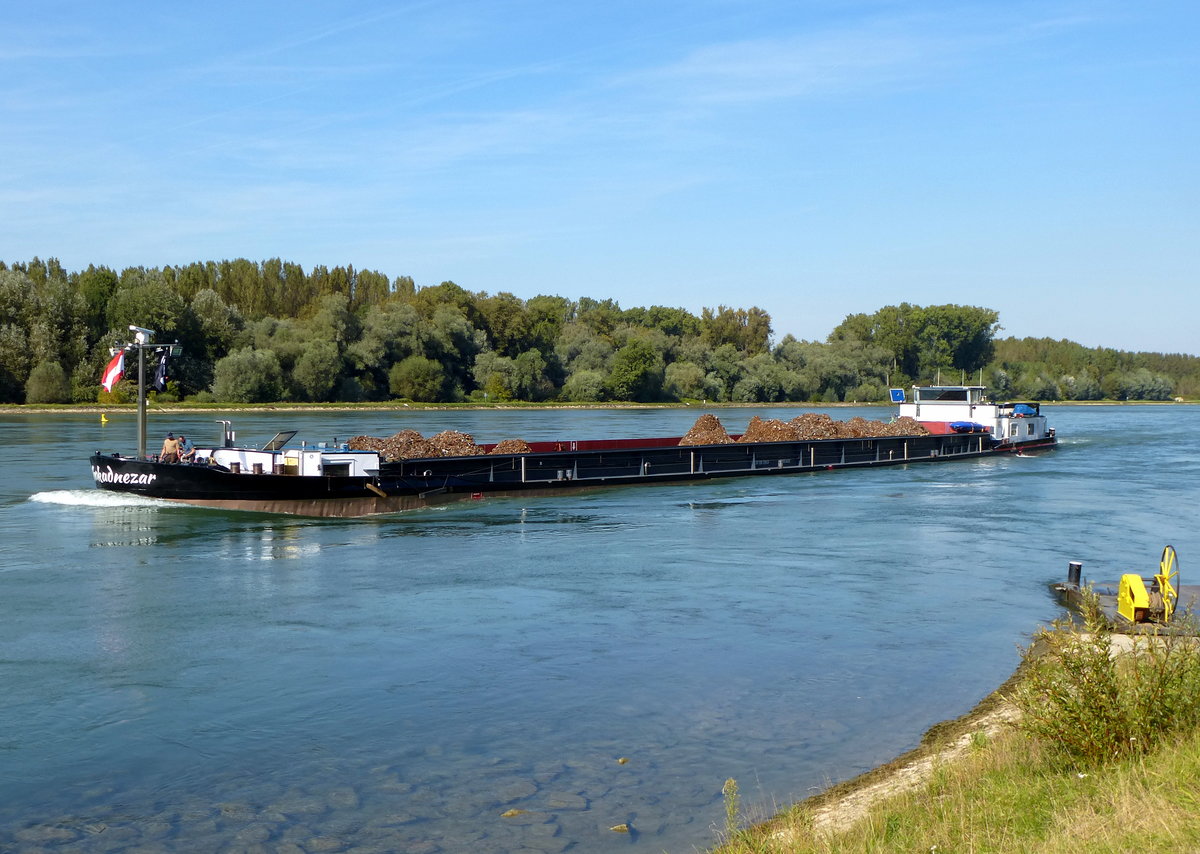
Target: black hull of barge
(412, 484)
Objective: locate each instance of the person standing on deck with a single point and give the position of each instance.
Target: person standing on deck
(170, 450)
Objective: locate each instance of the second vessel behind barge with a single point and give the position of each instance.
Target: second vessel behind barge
(321, 481)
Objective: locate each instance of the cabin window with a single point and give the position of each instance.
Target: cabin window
(1012, 431)
(337, 469)
(1029, 428)
(928, 394)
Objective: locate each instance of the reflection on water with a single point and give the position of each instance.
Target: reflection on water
(183, 679)
(284, 542)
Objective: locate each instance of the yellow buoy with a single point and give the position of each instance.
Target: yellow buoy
(619, 828)
(103, 418)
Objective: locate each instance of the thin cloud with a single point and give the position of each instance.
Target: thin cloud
(799, 65)
(881, 53)
(23, 52)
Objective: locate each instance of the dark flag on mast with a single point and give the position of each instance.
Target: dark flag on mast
(160, 374)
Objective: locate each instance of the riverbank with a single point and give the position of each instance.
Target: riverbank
(97, 409)
(473, 406)
(843, 806)
(984, 782)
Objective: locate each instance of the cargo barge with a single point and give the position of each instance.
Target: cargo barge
(335, 480)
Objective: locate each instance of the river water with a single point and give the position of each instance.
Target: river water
(181, 679)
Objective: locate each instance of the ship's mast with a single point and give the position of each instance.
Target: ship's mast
(142, 341)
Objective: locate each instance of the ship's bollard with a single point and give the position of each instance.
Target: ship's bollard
(1074, 572)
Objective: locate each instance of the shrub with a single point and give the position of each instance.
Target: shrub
(584, 386)
(1095, 703)
(48, 383)
(418, 378)
(688, 380)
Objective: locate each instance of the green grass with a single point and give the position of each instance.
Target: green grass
(1010, 795)
(1103, 756)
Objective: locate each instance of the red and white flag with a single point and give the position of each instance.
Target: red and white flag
(112, 374)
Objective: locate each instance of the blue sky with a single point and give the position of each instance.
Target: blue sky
(813, 158)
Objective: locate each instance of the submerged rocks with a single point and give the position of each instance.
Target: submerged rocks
(46, 834)
(517, 791)
(566, 801)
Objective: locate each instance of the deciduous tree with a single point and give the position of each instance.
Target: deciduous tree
(419, 378)
(248, 376)
(637, 373)
(318, 371)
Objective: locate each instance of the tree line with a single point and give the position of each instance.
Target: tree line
(271, 331)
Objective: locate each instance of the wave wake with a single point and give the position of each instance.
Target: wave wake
(93, 498)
